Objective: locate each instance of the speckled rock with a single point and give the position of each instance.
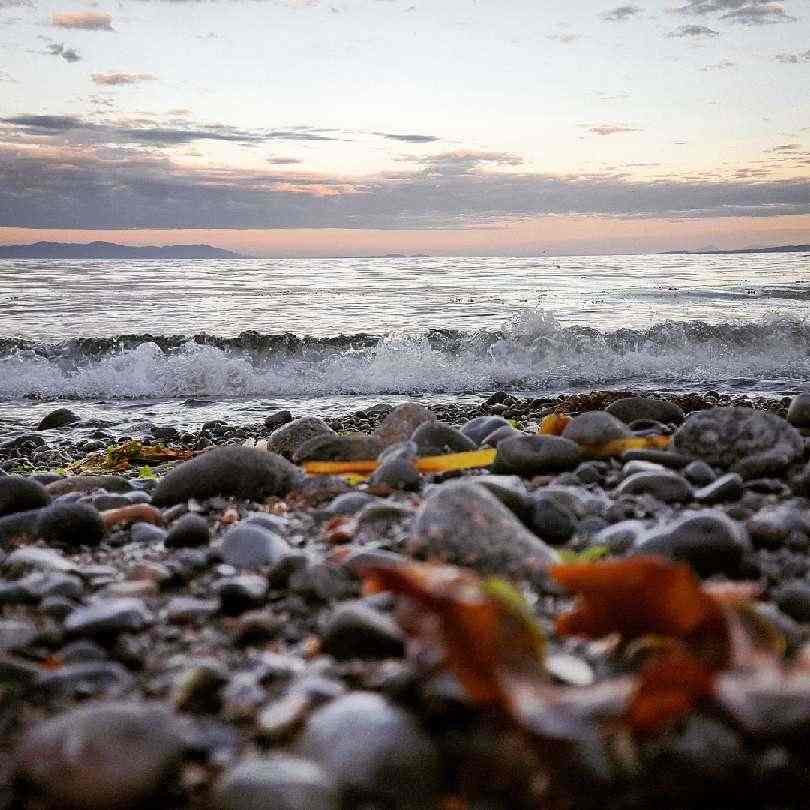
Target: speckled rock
(287, 439)
(595, 427)
(400, 424)
(58, 418)
(436, 438)
(353, 447)
(631, 409)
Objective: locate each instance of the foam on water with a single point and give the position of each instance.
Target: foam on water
(532, 351)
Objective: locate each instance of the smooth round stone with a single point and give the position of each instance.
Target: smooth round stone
(481, 427)
(663, 485)
(353, 447)
(31, 558)
(772, 527)
(196, 689)
(21, 495)
(354, 630)
(277, 419)
(244, 472)
(188, 610)
(595, 427)
(793, 599)
(190, 531)
(397, 473)
(728, 487)
(350, 503)
(280, 782)
(102, 757)
(278, 720)
(497, 436)
(375, 751)
(620, 537)
(70, 524)
(58, 418)
(799, 411)
(108, 617)
(633, 467)
(709, 540)
(89, 483)
(632, 409)
(106, 501)
(287, 439)
(15, 635)
(510, 491)
(437, 438)
(699, 473)
(551, 520)
(464, 524)
(251, 546)
(146, 533)
(401, 422)
(83, 679)
(241, 593)
(674, 461)
(726, 436)
(535, 455)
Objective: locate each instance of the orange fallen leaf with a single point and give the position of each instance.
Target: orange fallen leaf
(554, 424)
(619, 446)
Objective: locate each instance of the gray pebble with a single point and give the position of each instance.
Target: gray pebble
(251, 546)
(664, 485)
(287, 439)
(108, 617)
(354, 630)
(535, 455)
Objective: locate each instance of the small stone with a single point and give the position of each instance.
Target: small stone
(709, 540)
(190, 531)
(482, 426)
(400, 424)
(279, 720)
(511, 492)
(769, 464)
(552, 521)
(699, 473)
(631, 409)
(108, 617)
(793, 599)
(438, 438)
(771, 527)
(30, 558)
(464, 524)
(674, 461)
(375, 751)
(84, 679)
(352, 447)
(354, 630)
(244, 472)
(251, 546)
(287, 439)
(397, 473)
(663, 485)
(21, 495)
(535, 455)
(196, 689)
(146, 533)
(620, 537)
(280, 782)
(89, 483)
(102, 757)
(595, 427)
(726, 436)
(350, 503)
(728, 487)
(277, 419)
(15, 635)
(188, 610)
(58, 418)
(69, 525)
(497, 436)
(799, 411)
(241, 593)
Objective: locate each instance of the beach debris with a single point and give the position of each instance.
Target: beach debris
(121, 457)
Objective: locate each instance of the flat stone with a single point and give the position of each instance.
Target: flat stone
(497, 436)
(621, 536)
(85, 679)
(102, 757)
(352, 447)
(287, 439)
(631, 409)
(190, 531)
(251, 546)
(709, 540)
(279, 720)
(667, 458)
(799, 411)
(663, 485)
(464, 524)
(189, 610)
(375, 751)
(279, 782)
(354, 630)
(31, 558)
(108, 617)
(244, 472)
(58, 418)
(726, 436)
(89, 483)
(595, 427)
(19, 494)
(728, 487)
(772, 526)
(400, 423)
(535, 455)
(438, 438)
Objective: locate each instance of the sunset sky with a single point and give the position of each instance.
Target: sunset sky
(353, 127)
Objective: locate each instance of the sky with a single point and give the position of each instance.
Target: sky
(363, 127)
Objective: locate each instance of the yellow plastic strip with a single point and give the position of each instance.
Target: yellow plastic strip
(618, 446)
(452, 461)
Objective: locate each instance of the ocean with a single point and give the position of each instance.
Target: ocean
(184, 342)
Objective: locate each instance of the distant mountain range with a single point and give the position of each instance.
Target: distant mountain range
(715, 251)
(109, 250)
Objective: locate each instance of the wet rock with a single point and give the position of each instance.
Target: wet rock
(353, 447)
(25, 560)
(69, 525)
(189, 610)
(276, 420)
(40, 585)
(397, 473)
(241, 593)
(667, 458)
(535, 455)
(21, 495)
(354, 630)
(108, 617)
(58, 418)
(350, 503)
(497, 436)
(279, 720)
(190, 531)
(479, 428)
(620, 537)
(551, 520)
(709, 540)
(727, 436)
(251, 546)
(400, 423)
(631, 409)
(106, 756)
(511, 492)
(244, 472)
(375, 751)
(595, 427)
(799, 411)
(146, 533)
(79, 681)
(464, 524)
(793, 599)
(437, 438)
(15, 635)
(287, 439)
(664, 485)
(280, 782)
(699, 473)
(89, 483)
(771, 527)
(104, 501)
(770, 464)
(728, 487)
(196, 689)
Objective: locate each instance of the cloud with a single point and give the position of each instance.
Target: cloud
(15, 4)
(83, 20)
(621, 13)
(742, 12)
(694, 31)
(59, 49)
(565, 39)
(611, 129)
(463, 160)
(283, 161)
(117, 79)
(793, 58)
(786, 147)
(725, 64)
(408, 138)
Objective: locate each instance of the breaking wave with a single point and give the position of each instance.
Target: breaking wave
(530, 352)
